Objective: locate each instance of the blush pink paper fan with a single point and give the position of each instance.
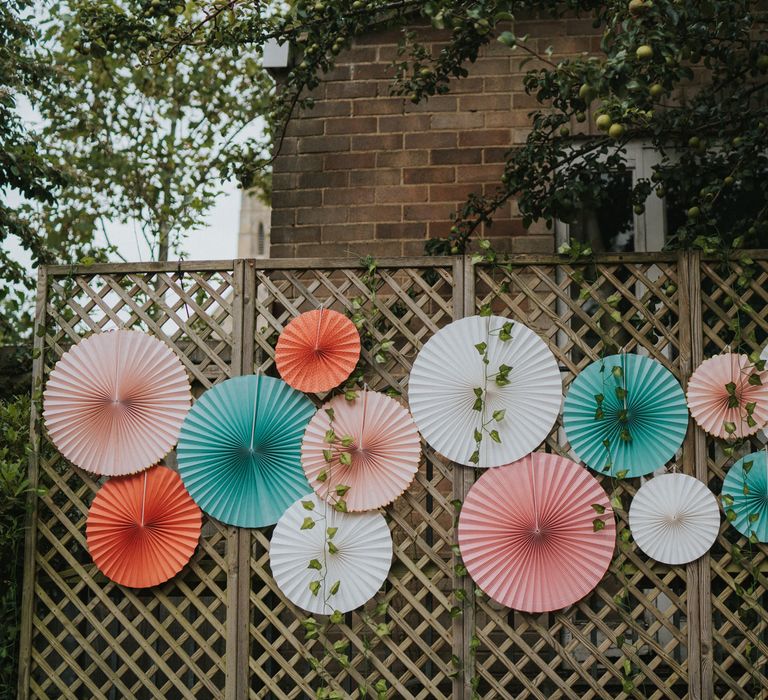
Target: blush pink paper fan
(114, 403)
(712, 404)
(527, 533)
(384, 451)
(317, 350)
(142, 529)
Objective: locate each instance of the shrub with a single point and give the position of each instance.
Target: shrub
(14, 449)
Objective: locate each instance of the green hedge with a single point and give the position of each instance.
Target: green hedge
(14, 448)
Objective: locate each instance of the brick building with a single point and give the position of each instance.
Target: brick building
(364, 172)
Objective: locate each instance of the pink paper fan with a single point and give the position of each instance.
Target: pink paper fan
(528, 534)
(720, 396)
(115, 402)
(384, 450)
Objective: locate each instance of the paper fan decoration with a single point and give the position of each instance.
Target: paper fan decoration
(745, 496)
(239, 450)
(114, 402)
(511, 401)
(317, 350)
(337, 564)
(537, 535)
(763, 433)
(674, 518)
(381, 444)
(725, 398)
(142, 529)
(625, 415)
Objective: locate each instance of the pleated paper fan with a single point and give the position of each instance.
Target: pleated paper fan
(355, 569)
(763, 432)
(450, 375)
(674, 518)
(142, 529)
(239, 450)
(720, 396)
(625, 414)
(317, 350)
(384, 451)
(745, 496)
(528, 534)
(114, 403)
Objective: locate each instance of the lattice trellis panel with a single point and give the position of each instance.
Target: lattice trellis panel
(401, 307)
(629, 638)
(88, 637)
(222, 629)
(734, 309)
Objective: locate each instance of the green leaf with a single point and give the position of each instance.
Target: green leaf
(331, 414)
(481, 348)
(314, 587)
(494, 435)
(477, 435)
(730, 515)
(308, 523)
(474, 458)
(727, 499)
(315, 564)
(729, 427)
(340, 506)
(598, 508)
(308, 505)
(747, 465)
(730, 387)
(345, 458)
(478, 405)
(485, 310)
(621, 393)
(382, 630)
(328, 455)
(332, 548)
(622, 473)
(498, 415)
(340, 645)
(331, 532)
(322, 476)
(598, 524)
(347, 441)
(330, 436)
(335, 588)
(754, 380)
(617, 371)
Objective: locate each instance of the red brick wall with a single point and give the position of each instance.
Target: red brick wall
(366, 173)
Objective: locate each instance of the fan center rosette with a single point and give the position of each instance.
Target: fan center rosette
(537, 535)
(239, 450)
(115, 402)
(674, 518)
(485, 391)
(324, 560)
(365, 451)
(142, 529)
(728, 396)
(625, 415)
(317, 350)
(745, 496)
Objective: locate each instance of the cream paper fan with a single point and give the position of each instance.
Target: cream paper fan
(674, 518)
(450, 375)
(349, 562)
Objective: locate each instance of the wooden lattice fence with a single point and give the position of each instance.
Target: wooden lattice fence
(221, 629)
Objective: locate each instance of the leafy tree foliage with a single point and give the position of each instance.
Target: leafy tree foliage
(24, 173)
(144, 144)
(689, 76)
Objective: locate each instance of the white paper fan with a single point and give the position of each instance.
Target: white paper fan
(449, 375)
(763, 433)
(358, 558)
(674, 518)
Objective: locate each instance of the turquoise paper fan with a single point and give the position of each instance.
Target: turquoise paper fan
(240, 450)
(745, 495)
(625, 415)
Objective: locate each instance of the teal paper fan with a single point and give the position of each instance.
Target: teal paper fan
(239, 450)
(745, 496)
(625, 415)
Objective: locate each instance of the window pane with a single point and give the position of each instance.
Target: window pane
(609, 227)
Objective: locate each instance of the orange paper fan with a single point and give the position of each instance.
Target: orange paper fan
(142, 529)
(317, 350)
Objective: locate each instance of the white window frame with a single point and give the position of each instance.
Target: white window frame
(651, 225)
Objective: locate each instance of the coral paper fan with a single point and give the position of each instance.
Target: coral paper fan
(384, 449)
(529, 533)
(728, 396)
(317, 350)
(348, 576)
(240, 450)
(745, 496)
(674, 518)
(626, 415)
(142, 529)
(450, 379)
(115, 402)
